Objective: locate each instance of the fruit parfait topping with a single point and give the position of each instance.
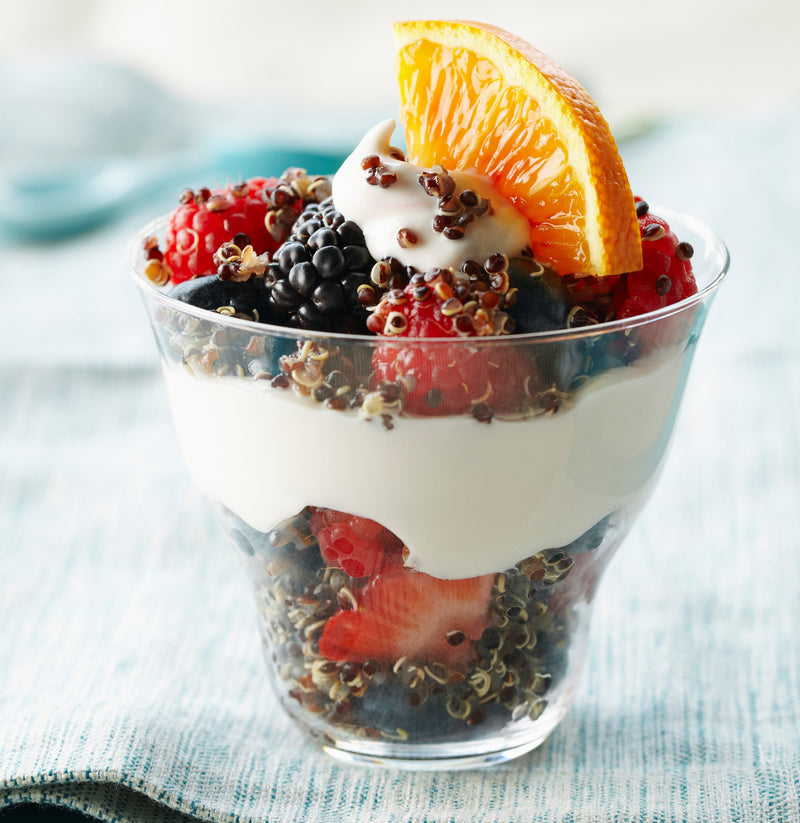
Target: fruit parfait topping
(427, 396)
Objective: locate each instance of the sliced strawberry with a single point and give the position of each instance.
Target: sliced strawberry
(358, 546)
(405, 613)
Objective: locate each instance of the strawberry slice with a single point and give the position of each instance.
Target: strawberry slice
(357, 545)
(405, 613)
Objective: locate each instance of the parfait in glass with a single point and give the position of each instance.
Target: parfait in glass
(425, 408)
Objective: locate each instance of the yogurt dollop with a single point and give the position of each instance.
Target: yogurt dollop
(383, 213)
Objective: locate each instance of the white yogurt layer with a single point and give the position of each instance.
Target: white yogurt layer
(465, 497)
(383, 212)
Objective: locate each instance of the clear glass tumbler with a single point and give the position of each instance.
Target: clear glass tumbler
(424, 571)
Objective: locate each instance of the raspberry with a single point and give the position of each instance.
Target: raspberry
(439, 379)
(665, 277)
(439, 303)
(445, 379)
(666, 274)
(356, 545)
(207, 219)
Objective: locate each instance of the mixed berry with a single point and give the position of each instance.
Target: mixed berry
(372, 647)
(307, 266)
(278, 251)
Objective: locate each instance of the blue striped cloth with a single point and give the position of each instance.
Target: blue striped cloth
(131, 677)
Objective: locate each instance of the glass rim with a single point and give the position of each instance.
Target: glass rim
(717, 256)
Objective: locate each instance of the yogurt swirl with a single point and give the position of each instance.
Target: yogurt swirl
(405, 206)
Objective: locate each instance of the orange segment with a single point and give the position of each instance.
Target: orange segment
(474, 97)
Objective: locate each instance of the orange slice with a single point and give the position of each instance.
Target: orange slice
(474, 97)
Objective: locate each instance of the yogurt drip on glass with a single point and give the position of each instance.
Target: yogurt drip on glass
(382, 213)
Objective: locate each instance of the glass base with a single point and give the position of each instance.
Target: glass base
(475, 753)
(419, 759)
(500, 700)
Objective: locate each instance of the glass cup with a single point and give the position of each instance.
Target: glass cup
(424, 563)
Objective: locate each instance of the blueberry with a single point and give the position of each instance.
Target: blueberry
(563, 364)
(242, 543)
(589, 540)
(611, 351)
(554, 655)
(542, 305)
(286, 538)
(203, 292)
(542, 301)
(250, 297)
(256, 366)
(212, 293)
(388, 705)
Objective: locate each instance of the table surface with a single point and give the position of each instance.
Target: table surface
(131, 679)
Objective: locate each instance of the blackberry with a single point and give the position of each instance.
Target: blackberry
(319, 278)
